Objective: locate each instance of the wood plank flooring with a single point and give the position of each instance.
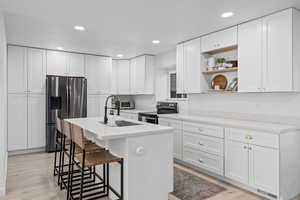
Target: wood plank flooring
(30, 178)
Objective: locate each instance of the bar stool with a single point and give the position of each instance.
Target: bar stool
(67, 150)
(92, 159)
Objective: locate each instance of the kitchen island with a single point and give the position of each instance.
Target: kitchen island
(147, 150)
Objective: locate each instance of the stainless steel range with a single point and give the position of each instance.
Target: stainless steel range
(161, 108)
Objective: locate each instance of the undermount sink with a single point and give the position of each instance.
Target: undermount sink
(119, 123)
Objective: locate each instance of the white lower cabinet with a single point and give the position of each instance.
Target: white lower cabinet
(36, 121)
(256, 165)
(26, 121)
(177, 139)
(264, 169)
(17, 122)
(236, 161)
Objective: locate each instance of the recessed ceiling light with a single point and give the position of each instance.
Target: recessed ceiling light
(155, 41)
(60, 48)
(120, 55)
(79, 28)
(227, 14)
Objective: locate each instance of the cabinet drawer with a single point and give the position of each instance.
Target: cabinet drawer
(204, 143)
(253, 137)
(203, 129)
(204, 160)
(176, 124)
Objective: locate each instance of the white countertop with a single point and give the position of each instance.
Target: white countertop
(136, 111)
(106, 132)
(275, 128)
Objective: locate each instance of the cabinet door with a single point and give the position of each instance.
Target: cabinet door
(114, 77)
(123, 77)
(17, 122)
(36, 59)
(278, 55)
(236, 161)
(139, 75)
(150, 75)
(219, 40)
(57, 63)
(76, 65)
(250, 56)
(98, 72)
(16, 69)
(132, 76)
(192, 62)
(264, 169)
(36, 121)
(180, 69)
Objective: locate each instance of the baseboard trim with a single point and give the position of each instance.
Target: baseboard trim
(27, 151)
(2, 190)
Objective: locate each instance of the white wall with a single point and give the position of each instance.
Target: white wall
(3, 107)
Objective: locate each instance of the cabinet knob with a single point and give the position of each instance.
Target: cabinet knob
(201, 144)
(201, 161)
(200, 129)
(250, 148)
(245, 147)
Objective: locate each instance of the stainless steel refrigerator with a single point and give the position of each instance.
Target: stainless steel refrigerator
(66, 98)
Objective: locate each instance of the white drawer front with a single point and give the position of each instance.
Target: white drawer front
(253, 137)
(204, 143)
(204, 129)
(176, 124)
(204, 160)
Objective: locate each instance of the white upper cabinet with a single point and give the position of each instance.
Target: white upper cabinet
(180, 75)
(17, 69)
(98, 73)
(121, 77)
(278, 51)
(36, 65)
(268, 61)
(188, 68)
(57, 63)
(219, 40)
(65, 64)
(76, 65)
(36, 121)
(250, 56)
(142, 75)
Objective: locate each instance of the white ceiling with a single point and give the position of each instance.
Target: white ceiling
(124, 26)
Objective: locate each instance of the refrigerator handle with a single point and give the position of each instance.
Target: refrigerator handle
(68, 97)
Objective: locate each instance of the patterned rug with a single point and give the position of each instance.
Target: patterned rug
(190, 187)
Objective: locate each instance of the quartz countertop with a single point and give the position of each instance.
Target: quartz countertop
(106, 132)
(276, 128)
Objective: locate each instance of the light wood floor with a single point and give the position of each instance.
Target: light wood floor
(30, 178)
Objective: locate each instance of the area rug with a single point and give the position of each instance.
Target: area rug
(190, 187)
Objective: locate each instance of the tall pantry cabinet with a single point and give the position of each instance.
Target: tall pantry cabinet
(26, 98)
